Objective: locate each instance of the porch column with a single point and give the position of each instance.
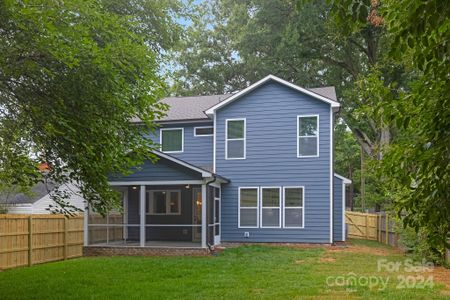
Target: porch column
(204, 221)
(85, 225)
(142, 216)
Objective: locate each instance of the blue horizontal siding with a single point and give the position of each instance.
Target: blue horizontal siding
(271, 160)
(198, 150)
(338, 211)
(162, 170)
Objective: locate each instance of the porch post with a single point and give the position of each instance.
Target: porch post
(204, 221)
(85, 225)
(142, 216)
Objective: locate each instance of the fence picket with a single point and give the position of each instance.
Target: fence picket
(30, 239)
(370, 227)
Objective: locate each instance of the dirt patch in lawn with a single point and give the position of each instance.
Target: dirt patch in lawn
(442, 275)
(349, 247)
(362, 249)
(327, 259)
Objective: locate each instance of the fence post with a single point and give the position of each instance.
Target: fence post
(378, 227)
(367, 226)
(65, 237)
(387, 229)
(30, 240)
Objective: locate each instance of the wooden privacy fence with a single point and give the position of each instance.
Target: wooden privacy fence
(377, 227)
(31, 239)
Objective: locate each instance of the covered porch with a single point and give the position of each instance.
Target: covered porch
(170, 204)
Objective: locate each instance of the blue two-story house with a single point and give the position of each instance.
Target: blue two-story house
(254, 166)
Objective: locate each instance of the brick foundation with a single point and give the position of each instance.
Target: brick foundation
(142, 251)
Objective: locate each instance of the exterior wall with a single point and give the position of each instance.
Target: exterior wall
(197, 150)
(162, 233)
(20, 208)
(163, 170)
(271, 160)
(338, 211)
(41, 206)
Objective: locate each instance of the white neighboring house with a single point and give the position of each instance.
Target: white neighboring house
(38, 202)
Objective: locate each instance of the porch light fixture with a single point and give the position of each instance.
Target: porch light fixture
(188, 186)
(134, 187)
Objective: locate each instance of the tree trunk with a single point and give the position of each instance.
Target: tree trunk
(351, 189)
(363, 183)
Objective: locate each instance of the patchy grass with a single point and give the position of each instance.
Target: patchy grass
(247, 272)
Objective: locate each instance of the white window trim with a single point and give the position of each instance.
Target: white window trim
(239, 139)
(202, 127)
(279, 207)
(257, 206)
(168, 129)
(150, 198)
(296, 207)
(317, 136)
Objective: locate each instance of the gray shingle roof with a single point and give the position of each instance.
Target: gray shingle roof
(36, 192)
(193, 107)
(190, 108)
(326, 91)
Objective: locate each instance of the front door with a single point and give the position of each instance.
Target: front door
(197, 214)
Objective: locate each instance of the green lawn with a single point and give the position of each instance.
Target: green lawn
(247, 272)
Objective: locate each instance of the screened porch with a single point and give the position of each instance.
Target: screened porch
(169, 215)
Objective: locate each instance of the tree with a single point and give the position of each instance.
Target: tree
(418, 163)
(72, 75)
(233, 43)
(347, 157)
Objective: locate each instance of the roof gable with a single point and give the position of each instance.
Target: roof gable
(317, 93)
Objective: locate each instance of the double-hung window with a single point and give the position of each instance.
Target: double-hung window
(308, 136)
(270, 207)
(172, 140)
(235, 139)
(293, 203)
(248, 207)
(167, 202)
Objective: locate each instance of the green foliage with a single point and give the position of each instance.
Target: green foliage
(418, 164)
(418, 245)
(72, 75)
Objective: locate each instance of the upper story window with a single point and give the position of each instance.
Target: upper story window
(172, 140)
(204, 131)
(235, 139)
(308, 136)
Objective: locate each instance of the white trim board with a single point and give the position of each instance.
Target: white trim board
(210, 111)
(344, 179)
(343, 211)
(331, 174)
(175, 182)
